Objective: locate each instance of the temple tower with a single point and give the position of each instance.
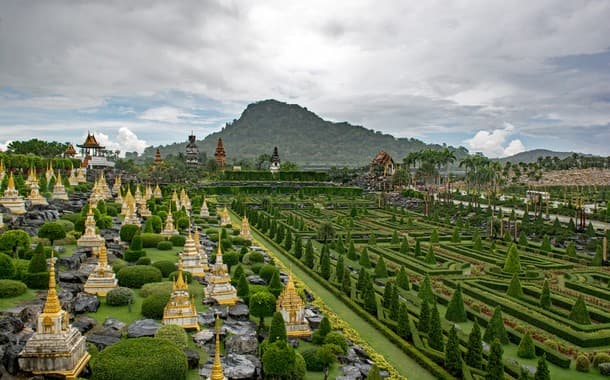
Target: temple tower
(220, 155)
(59, 191)
(275, 161)
(157, 193)
(168, 228)
(158, 160)
(11, 198)
(90, 239)
(180, 309)
(217, 371)
(219, 282)
(204, 212)
(291, 306)
(35, 197)
(225, 219)
(192, 152)
(102, 279)
(192, 260)
(245, 229)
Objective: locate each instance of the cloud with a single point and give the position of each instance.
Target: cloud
(4, 146)
(494, 143)
(125, 141)
(166, 114)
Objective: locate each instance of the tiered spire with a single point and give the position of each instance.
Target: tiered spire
(217, 371)
(52, 305)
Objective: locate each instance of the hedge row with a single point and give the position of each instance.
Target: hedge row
(281, 176)
(307, 190)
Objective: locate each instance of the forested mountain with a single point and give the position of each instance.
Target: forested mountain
(301, 137)
(532, 156)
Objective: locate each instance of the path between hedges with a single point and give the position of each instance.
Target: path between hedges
(404, 364)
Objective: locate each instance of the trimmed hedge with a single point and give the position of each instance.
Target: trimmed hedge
(11, 288)
(177, 240)
(138, 275)
(128, 231)
(119, 296)
(38, 280)
(7, 266)
(164, 287)
(151, 240)
(143, 261)
(165, 266)
(165, 245)
(174, 334)
(140, 358)
(152, 306)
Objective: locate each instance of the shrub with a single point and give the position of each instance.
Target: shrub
(38, 263)
(152, 306)
(174, 334)
(140, 358)
(119, 296)
(600, 357)
(582, 363)
(11, 288)
(550, 343)
(187, 276)
(138, 275)
(152, 288)
(177, 240)
(165, 266)
(604, 369)
(256, 267)
(165, 245)
(52, 231)
(267, 271)
(337, 339)
(150, 240)
(526, 348)
(38, 280)
(143, 260)
(133, 256)
(118, 264)
(7, 266)
(128, 231)
(66, 224)
(254, 257)
(13, 240)
(312, 361)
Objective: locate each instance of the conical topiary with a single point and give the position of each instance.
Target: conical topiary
(495, 328)
(365, 261)
(512, 263)
(455, 310)
(515, 289)
(526, 349)
(430, 257)
(545, 296)
(579, 313)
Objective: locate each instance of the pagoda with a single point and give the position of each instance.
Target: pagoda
(2, 170)
(72, 179)
(201, 250)
(225, 219)
(131, 217)
(35, 197)
(143, 209)
(275, 161)
(102, 279)
(219, 282)
(127, 200)
(56, 348)
(31, 177)
(80, 173)
(90, 239)
(138, 194)
(204, 212)
(185, 201)
(59, 191)
(119, 198)
(176, 200)
(217, 371)
(11, 199)
(157, 193)
(158, 160)
(49, 173)
(168, 228)
(70, 152)
(180, 309)
(93, 153)
(220, 155)
(148, 193)
(192, 152)
(192, 260)
(116, 187)
(291, 306)
(245, 229)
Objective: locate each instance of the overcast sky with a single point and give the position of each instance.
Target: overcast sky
(494, 76)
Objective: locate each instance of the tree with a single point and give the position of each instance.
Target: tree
(526, 349)
(514, 289)
(351, 252)
(403, 327)
(453, 355)
(346, 283)
(495, 329)
(13, 241)
(474, 353)
(512, 263)
(243, 288)
(373, 239)
(542, 370)
(262, 304)
(237, 273)
(435, 335)
(7, 267)
(495, 367)
(579, 312)
(546, 244)
(38, 262)
(423, 325)
(477, 244)
(434, 236)
(417, 248)
(381, 271)
(522, 239)
(308, 258)
(598, 259)
(288, 240)
(455, 310)
(402, 281)
(571, 250)
(388, 290)
(455, 236)
(373, 373)
(323, 329)
(430, 258)
(339, 268)
(404, 246)
(277, 331)
(325, 263)
(326, 232)
(369, 298)
(425, 290)
(279, 361)
(545, 296)
(327, 355)
(395, 239)
(275, 284)
(298, 247)
(365, 261)
(363, 280)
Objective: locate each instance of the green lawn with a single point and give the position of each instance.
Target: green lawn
(9, 303)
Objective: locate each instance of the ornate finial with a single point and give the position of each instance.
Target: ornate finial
(52, 305)
(11, 182)
(103, 257)
(180, 284)
(217, 373)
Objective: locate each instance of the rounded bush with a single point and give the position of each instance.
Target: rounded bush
(164, 287)
(582, 363)
(66, 224)
(140, 358)
(165, 266)
(152, 306)
(133, 255)
(128, 231)
(267, 271)
(38, 280)
(119, 296)
(143, 260)
(337, 339)
(187, 276)
(165, 245)
(11, 288)
(150, 240)
(177, 240)
(7, 266)
(256, 267)
(112, 210)
(312, 361)
(600, 357)
(138, 275)
(254, 257)
(174, 334)
(118, 264)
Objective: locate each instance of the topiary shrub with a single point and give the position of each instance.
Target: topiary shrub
(165, 245)
(152, 306)
(140, 358)
(7, 266)
(128, 231)
(187, 276)
(66, 225)
(582, 363)
(133, 256)
(38, 280)
(600, 357)
(11, 288)
(164, 287)
(150, 240)
(267, 271)
(119, 296)
(177, 240)
(337, 339)
(174, 334)
(143, 261)
(165, 266)
(312, 361)
(253, 257)
(138, 275)
(118, 264)
(256, 267)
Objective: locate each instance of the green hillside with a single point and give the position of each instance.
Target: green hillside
(532, 156)
(302, 137)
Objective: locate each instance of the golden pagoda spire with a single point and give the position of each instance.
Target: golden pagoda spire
(1, 165)
(51, 305)
(219, 251)
(103, 257)
(11, 182)
(180, 284)
(59, 177)
(217, 372)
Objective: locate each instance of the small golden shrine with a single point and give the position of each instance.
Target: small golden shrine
(192, 260)
(169, 229)
(225, 219)
(180, 309)
(102, 279)
(35, 197)
(245, 229)
(59, 191)
(157, 193)
(90, 239)
(291, 306)
(219, 282)
(11, 198)
(204, 212)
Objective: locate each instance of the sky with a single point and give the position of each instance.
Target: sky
(496, 77)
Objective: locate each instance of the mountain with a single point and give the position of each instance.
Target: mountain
(302, 137)
(532, 155)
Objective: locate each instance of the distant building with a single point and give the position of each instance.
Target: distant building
(220, 155)
(383, 161)
(70, 152)
(192, 152)
(158, 160)
(94, 155)
(275, 161)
